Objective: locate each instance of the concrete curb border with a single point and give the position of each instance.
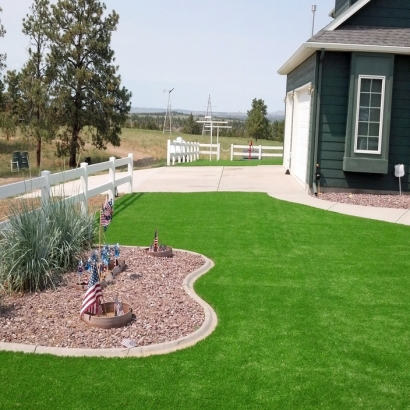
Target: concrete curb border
(204, 331)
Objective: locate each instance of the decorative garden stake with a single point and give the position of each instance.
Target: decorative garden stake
(159, 250)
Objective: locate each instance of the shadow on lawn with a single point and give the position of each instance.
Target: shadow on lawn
(129, 200)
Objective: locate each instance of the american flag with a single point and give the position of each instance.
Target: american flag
(156, 240)
(106, 214)
(108, 206)
(94, 293)
(104, 221)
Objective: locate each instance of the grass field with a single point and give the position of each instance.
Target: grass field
(312, 307)
(151, 145)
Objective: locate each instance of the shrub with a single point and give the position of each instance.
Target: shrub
(41, 242)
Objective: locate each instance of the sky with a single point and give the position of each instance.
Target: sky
(228, 49)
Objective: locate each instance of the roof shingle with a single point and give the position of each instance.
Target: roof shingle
(365, 35)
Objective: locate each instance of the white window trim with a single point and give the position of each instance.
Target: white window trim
(376, 77)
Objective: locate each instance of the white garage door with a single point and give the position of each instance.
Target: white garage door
(301, 134)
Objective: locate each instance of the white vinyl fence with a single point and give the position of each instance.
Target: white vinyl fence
(213, 150)
(48, 181)
(256, 151)
(182, 151)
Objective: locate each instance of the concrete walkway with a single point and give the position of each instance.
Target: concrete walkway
(265, 178)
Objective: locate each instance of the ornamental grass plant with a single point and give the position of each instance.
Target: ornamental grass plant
(40, 242)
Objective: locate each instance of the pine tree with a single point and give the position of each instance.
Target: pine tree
(37, 113)
(86, 86)
(257, 125)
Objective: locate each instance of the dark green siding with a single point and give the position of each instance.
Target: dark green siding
(399, 152)
(303, 74)
(332, 118)
(383, 13)
(332, 129)
(342, 5)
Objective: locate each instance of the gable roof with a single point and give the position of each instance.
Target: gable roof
(354, 8)
(351, 38)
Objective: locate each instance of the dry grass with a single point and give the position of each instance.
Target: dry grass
(148, 147)
(94, 205)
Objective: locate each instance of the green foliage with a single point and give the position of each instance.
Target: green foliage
(86, 85)
(37, 109)
(257, 124)
(2, 56)
(146, 122)
(278, 130)
(9, 116)
(237, 131)
(41, 242)
(191, 126)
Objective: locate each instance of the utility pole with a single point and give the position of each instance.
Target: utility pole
(313, 20)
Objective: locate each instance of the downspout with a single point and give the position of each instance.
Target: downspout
(316, 166)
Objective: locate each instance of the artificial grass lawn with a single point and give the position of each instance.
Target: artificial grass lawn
(312, 307)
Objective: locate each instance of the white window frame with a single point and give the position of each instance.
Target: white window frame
(371, 77)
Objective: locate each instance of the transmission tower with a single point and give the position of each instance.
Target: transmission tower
(208, 117)
(168, 114)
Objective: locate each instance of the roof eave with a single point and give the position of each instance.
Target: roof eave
(308, 48)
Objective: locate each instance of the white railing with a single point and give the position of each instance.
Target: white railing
(48, 182)
(256, 151)
(211, 150)
(181, 151)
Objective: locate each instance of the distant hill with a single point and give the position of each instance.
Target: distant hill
(233, 115)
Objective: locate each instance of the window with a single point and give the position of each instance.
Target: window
(369, 115)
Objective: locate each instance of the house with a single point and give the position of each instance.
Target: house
(347, 120)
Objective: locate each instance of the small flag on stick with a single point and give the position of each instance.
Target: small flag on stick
(106, 214)
(94, 293)
(156, 240)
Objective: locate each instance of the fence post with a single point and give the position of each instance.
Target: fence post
(260, 152)
(84, 187)
(168, 153)
(111, 172)
(45, 189)
(218, 153)
(130, 173)
(231, 152)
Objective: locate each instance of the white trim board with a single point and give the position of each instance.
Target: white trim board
(346, 14)
(308, 48)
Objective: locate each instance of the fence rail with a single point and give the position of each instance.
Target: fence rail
(211, 150)
(48, 182)
(255, 151)
(179, 151)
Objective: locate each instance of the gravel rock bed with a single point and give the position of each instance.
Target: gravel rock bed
(382, 201)
(162, 311)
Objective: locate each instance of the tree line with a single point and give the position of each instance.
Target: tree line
(256, 126)
(70, 83)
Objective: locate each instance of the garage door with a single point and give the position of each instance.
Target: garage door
(301, 128)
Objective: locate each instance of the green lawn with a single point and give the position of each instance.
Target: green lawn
(313, 311)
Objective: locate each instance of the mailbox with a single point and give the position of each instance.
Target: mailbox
(399, 170)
